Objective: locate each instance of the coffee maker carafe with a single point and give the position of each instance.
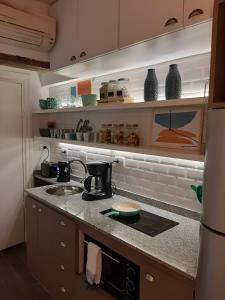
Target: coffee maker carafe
(98, 185)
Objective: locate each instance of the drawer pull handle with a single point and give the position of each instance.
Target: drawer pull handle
(73, 58)
(196, 12)
(39, 210)
(63, 290)
(34, 206)
(62, 223)
(171, 21)
(83, 54)
(62, 244)
(149, 277)
(62, 268)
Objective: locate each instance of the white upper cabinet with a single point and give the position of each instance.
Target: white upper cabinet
(144, 19)
(65, 51)
(98, 22)
(196, 11)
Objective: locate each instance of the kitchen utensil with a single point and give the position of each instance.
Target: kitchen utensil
(79, 125)
(125, 209)
(198, 190)
(89, 100)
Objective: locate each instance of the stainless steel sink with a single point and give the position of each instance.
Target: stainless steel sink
(64, 190)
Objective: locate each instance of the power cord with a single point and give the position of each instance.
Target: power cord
(48, 153)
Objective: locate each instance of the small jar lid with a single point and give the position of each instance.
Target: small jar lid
(112, 81)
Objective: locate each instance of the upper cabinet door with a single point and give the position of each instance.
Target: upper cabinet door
(64, 53)
(196, 11)
(98, 22)
(143, 19)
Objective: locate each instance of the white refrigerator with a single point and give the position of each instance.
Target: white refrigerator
(210, 283)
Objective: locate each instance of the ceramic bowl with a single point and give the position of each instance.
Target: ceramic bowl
(89, 100)
(43, 104)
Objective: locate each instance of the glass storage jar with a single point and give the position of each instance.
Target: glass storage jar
(118, 134)
(112, 88)
(104, 90)
(122, 90)
(106, 134)
(132, 135)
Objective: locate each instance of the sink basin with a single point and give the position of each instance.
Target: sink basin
(64, 190)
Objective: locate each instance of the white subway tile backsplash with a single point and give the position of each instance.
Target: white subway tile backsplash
(164, 179)
(195, 174)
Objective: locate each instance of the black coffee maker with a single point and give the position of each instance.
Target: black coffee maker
(101, 188)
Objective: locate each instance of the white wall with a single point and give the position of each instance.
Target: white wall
(164, 179)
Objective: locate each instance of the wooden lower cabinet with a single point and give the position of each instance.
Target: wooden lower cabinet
(51, 251)
(53, 257)
(159, 283)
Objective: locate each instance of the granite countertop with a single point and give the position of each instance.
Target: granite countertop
(176, 248)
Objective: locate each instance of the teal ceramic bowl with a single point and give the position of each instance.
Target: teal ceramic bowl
(89, 100)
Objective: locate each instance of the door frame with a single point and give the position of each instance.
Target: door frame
(22, 78)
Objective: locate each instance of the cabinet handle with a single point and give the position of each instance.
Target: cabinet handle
(171, 21)
(83, 54)
(39, 210)
(73, 58)
(62, 244)
(62, 267)
(62, 223)
(196, 12)
(34, 206)
(63, 290)
(149, 277)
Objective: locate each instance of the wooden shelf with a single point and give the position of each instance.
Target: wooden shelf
(217, 105)
(166, 152)
(130, 106)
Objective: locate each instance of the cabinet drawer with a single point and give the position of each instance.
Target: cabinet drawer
(62, 284)
(160, 283)
(196, 11)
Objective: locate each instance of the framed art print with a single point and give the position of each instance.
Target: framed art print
(177, 128)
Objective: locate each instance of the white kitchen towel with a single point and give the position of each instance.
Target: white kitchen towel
(94, 264)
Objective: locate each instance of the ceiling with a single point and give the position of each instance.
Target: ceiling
(47, 1)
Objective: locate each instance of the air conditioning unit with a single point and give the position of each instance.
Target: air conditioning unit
(25, 30)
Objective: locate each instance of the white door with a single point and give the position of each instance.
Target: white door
(196, 11)
(98, 22)
(144, 19)
(11, 165)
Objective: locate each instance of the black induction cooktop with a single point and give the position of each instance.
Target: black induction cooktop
(145, 222)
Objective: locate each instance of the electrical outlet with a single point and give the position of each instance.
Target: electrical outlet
(64, 151)
(120, 160)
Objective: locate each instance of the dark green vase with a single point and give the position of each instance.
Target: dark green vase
(173, 83)
(151, 87)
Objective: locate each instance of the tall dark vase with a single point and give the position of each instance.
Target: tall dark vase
(173, 83)
(151, 87)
